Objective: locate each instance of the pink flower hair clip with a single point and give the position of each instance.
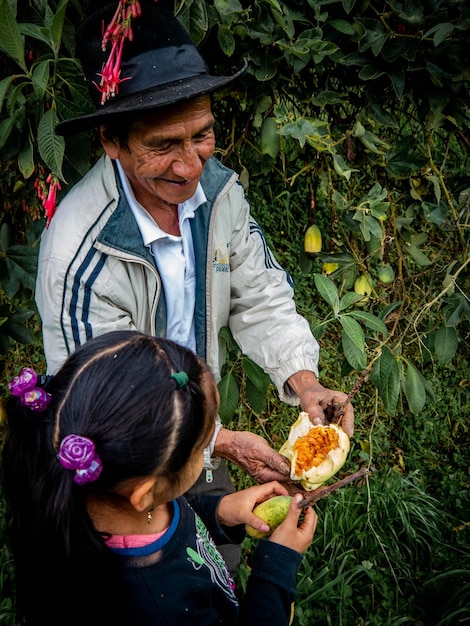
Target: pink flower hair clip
(78, 453)
(24, 387)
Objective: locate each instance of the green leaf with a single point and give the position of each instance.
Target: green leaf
(354, 354)
(57, 25)
(417, 255)
(386, 377)
(342, 26)
(226, 40)
(36, 32)
(229, 396)
(255, 398)
(256, 375)
(16, 329)
(415, 390)
(457, 309)
(440, 32)
(446, 342)
(349, 298)
(353, 330)
(305, 263)
(51, 146)
(41, 78)
(21, 264)
(371, 321)
(11, 40)
(4, 87)
(388, 309)
(6, 126)
(6, 234)
(328, 291)
(26, 160)
(226, 335)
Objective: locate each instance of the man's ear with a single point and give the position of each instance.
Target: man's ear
(142, 498)
(110, 146)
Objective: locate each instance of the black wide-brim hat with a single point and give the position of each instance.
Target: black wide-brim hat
(159, 67)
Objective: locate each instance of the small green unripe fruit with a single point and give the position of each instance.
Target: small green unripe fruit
(273, 512)
(386, 274)
(269, 137)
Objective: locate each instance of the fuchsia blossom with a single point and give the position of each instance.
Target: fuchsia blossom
(117, 32)
(48, 197)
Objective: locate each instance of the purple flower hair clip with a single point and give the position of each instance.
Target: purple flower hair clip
(78, 453)
(24, 387)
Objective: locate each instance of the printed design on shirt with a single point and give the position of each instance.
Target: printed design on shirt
(208, 555)
(269, 261)
(220, 262)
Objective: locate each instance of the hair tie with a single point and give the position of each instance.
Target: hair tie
(24, 387)
(181, 379)
(78, 453)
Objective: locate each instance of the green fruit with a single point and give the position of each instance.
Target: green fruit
(273, 512)
(269, 137)
(386, 274)
(312, 241)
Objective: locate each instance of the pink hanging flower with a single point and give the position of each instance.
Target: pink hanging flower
(48, 196)
(117, 32)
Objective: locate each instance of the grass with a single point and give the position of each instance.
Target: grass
(395, 549)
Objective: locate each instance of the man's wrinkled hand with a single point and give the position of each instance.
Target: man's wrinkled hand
(253, 454)
(322, 404)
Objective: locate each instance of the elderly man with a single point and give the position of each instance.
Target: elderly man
(158, 236)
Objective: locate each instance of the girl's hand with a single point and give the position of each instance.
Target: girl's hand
(291, 533)
(237, 508)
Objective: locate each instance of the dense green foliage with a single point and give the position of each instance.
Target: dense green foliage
(353, 115)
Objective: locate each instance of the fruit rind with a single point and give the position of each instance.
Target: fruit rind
(315, 476)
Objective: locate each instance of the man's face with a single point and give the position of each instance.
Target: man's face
(166, 152)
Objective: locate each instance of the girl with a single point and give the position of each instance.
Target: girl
(95, 464)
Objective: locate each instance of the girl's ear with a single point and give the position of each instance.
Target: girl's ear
(142, 498)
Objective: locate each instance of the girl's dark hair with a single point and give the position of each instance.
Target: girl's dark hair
(116, 390)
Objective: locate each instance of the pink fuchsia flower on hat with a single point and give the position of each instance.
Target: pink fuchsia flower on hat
(78, 453)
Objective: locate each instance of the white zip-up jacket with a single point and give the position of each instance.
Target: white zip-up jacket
(95, 275)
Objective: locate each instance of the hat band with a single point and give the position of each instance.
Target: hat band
(156, 68)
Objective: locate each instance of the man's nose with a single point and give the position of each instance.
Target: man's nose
(188, 164)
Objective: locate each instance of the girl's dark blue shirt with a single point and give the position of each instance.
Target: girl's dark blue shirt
(182, 580)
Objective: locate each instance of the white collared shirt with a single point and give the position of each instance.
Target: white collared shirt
(175, 261)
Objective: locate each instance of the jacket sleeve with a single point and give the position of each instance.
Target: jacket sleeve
(271, 587)
(263, 319)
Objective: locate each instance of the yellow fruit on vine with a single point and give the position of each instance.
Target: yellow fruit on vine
(312, 241)
(273, 512)
(316, 452)
(363, 285)
(329, 268)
